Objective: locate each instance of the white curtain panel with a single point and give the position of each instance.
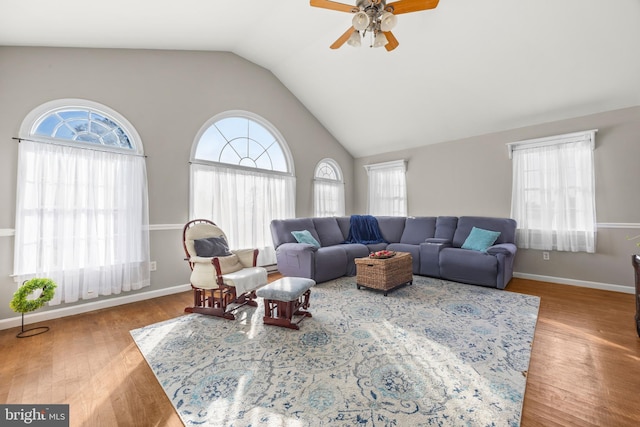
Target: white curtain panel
(387, 189)
(81, 220)
(553, 197)
(328, 198)
(243, 203)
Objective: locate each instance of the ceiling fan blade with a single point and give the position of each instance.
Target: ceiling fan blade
(393, 41)
(327, 4)
(406, 6)
(343, 38)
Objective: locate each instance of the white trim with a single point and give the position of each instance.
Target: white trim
(162, 227)
(387, 165)
(587, 135)
(91, 306)
(625, 225)
(7, 232)
(574, 282)
(10, 232)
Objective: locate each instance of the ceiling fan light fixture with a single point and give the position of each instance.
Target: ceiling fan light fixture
(380, 40)
(388, 21)
(354, 39)
(360, 21)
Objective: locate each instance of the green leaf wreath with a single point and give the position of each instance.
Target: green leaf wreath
(21, 304)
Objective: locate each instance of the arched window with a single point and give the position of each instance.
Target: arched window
(81, 210)
(328, 189)
(242, 178)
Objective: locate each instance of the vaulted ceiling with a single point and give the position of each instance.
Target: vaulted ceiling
(466, 68)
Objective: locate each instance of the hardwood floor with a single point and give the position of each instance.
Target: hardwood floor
(584, 369)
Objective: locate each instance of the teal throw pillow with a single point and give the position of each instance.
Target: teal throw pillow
(305, 237)
(480, 240)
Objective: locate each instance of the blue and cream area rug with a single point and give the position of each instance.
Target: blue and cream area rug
(435, 353)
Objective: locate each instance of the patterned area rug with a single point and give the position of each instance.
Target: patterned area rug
(434, 353)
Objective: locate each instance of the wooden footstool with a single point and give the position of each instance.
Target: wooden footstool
(285, 298)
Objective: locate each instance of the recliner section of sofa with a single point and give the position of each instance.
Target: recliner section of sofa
(435, 244)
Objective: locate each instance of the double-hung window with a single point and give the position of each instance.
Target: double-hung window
(328, 189)
(81, 210)
(553, 192)
(387, 188)
(242, 178)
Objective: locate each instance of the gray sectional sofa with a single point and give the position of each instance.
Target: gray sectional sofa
(435, 244)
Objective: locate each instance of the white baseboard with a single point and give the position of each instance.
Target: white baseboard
(91, 306)
(573, 282)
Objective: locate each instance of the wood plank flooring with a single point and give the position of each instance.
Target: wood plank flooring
(584, 370)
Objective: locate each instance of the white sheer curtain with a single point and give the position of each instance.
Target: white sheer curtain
(387, 188)
(81, 220)
(553, 197)
(243, 203)
(328, 198)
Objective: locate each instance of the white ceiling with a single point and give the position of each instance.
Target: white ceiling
(466, 68)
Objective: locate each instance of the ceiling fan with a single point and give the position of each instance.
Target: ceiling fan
(377, 17)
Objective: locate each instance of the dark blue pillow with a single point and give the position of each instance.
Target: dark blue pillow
(211, 246)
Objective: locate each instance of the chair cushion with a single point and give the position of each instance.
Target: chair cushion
(246, 279)
(285, 289)
(211, 246)
(230, 264)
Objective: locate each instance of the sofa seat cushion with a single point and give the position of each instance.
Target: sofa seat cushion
(466, 266)
(353, 251)
(331, 263)
(414, 250)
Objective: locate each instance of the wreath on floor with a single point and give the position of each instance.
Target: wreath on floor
(21, 304)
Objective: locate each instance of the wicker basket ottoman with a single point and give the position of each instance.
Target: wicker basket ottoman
(384, 274)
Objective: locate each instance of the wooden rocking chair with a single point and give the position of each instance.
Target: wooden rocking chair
(221, 283)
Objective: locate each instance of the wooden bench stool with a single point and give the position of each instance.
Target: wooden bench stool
(285, 298)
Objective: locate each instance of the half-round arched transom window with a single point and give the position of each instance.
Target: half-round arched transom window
(328, 169)
(245, 140)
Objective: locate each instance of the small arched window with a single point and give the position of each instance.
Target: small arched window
(242, 179)
(328, 189)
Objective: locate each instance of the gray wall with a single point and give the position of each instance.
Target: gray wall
(473, 177)
(167, 96)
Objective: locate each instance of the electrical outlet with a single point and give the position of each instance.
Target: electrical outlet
(545, 256)
(153, 266)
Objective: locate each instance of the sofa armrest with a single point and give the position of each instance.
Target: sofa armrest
(430, 256)
(508, 249)
(296, 247)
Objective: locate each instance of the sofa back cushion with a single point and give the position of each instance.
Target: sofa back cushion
(391, 227)
(328, 231)
(418, 229)
(446, 227)
(506, 227)
(281, 230)
(344, 222)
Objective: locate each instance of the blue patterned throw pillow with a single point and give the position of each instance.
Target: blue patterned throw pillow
(480, 239)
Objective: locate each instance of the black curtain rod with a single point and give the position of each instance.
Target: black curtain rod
(79, 147)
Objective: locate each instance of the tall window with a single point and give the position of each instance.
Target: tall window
(387, 188)
(328, 189)
(242, 178)
(553, 193)
(82, 212)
